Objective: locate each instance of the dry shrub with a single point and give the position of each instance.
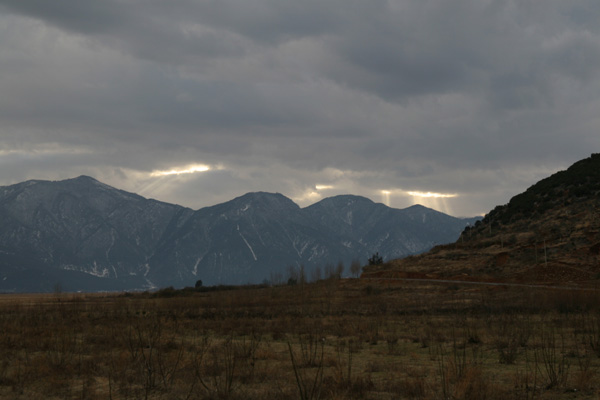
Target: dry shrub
(410, 388)
(368, 330)
(267, 353)
(376, 366)
(526, 383)
(222, 367)
(552, 358)
(584, 380)
(460, 371)
(138, 347)
(356, 388)
(409, 385)
(308, 370)
(510, 333)
(472, 385)
(433, 332)
(392, 337)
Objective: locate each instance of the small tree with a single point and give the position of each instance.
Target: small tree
(293, 274)
(339, 270)
(276, 278)
(301, 274)
(329, 271)
(316, 274)
(355, 268)
(198, 284)
(376, 259)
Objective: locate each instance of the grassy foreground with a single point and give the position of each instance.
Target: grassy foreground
(336, 339)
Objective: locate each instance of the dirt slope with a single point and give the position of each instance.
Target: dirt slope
(550, 234)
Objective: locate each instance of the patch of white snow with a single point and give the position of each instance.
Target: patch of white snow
(348, 218)
(247, 244)
(195, 270)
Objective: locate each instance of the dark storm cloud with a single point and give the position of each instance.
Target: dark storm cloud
(156, 31)
(478, 98)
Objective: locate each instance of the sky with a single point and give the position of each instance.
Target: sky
(456, 105)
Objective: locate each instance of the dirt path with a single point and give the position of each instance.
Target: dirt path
(480, 283)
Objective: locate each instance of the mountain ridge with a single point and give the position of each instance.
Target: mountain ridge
(126, 241)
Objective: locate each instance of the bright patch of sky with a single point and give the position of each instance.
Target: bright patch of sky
(185, 170)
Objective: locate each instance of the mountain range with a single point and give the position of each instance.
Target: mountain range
(549, 234)
(81, 234)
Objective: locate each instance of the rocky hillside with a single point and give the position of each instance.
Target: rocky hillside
(548, 234)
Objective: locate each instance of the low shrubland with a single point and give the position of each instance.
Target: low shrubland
(334, 339)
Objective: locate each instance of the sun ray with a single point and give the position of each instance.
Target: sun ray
(386, 197)
(185, 170)
(323, 187)
(432, 194)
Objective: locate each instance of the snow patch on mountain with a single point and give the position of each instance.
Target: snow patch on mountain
(247, 244)
(195, 270)
(348, 218)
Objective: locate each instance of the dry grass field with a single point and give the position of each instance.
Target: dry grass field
(335, 339)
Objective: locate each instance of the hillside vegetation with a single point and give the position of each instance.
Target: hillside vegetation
(548, 234)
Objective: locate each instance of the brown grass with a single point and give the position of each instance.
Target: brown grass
(327, 340)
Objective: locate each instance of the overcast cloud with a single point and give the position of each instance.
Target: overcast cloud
(473, 99)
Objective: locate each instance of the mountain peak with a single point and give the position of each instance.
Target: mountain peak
(263, 201)
(265, 196)
(87, 180)
(419, 208)
(262, 195)
(343, 201)
(84, 178)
